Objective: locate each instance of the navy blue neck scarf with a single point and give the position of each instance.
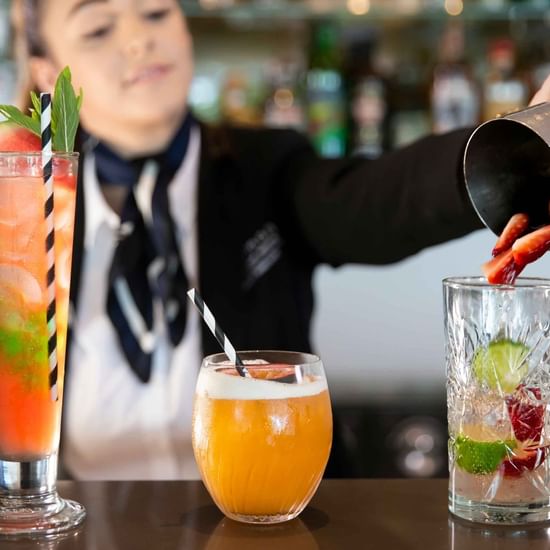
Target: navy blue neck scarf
(112, 169)
(146, 263)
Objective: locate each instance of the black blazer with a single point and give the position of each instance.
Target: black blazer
(270, 210)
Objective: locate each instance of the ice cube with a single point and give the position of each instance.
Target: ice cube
(17, 284)
(484, 411)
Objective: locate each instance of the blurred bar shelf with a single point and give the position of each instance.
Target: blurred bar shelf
(366, 10)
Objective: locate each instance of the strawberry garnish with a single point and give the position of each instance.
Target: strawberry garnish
(512, 251)
(523, 460)
(526, 413)
(527, 418)
(66, 181)
(502, 270)
(516, 226)
(532, 246)
(13, 138)
(62, 173)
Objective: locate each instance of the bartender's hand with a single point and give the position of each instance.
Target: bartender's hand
(543, 94)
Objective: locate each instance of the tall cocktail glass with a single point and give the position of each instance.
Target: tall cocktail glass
(498, 394)
(31, 396)
(262, 442)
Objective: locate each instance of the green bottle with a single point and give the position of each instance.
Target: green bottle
(325, 93)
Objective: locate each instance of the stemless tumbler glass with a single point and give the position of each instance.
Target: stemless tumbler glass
(262, 442)
(498, 390)
(31, 388)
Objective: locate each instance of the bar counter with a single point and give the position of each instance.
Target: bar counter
(343, 515)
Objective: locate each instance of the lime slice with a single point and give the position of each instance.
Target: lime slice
(480, 457)
(501, 365)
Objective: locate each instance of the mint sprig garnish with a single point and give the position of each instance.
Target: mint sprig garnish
(15, 116)
(36, 111)
(65, 109)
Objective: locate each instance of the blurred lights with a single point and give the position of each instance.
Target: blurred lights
(454, 7)
(358, 7)
(322, 6)
(203, 91)
(283, 98)
(419, 446)
(407, 6)
(424, 443)
(420, 465)
(215, 4)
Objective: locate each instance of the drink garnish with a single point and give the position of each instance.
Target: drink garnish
(526, 412)
(16, 139)
(65, 114)
(516, 226)
(515, 249)
(501, 364)
(532, 246)
(480, 457)
(523, 459)
(502, 269)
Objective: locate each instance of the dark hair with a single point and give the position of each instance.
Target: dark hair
(31, 27)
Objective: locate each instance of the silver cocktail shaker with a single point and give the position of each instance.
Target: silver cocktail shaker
(507, 167)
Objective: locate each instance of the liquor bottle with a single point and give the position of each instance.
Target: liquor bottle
(410, 100)
(455, 99)
(504, 90)
(540, 69)
(368, 101)
(284, 106)
(5, 34)
(237, 103)
(325, 93)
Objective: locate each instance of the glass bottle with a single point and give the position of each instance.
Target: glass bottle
(325, 93)
(454, 95)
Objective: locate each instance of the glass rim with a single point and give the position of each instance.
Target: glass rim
(38, 154)
(480, 282)
(284, 356)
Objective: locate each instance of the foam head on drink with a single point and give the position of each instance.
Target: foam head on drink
(261, 445)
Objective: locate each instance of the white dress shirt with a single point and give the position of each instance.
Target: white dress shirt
(117, 427)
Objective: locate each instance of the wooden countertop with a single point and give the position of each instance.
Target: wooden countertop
(344, 514)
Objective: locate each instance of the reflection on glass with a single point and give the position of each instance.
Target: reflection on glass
(232, 535)
(68, 540)
(467, 536)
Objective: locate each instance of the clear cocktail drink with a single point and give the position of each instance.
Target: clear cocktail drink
(498, 391)
(30, 396)
(262, 443)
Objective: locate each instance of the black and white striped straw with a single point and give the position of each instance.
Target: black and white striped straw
(216, 330)
(47, 168)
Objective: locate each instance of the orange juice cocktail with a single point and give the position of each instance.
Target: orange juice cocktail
(30, 404)
(262, 442)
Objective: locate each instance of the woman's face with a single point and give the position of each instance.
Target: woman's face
(132, 58)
